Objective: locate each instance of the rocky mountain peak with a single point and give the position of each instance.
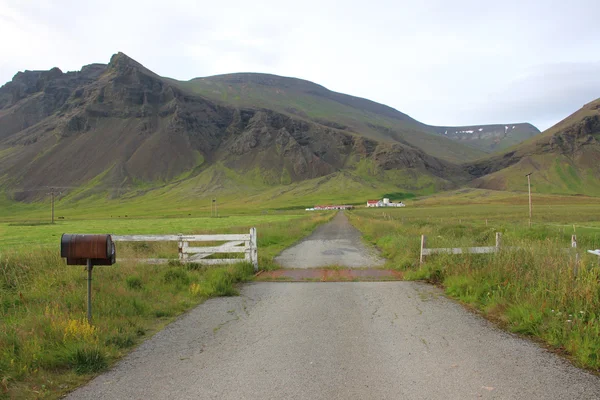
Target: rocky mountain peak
(122, 63)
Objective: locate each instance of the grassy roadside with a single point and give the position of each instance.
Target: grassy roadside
(47, 347)
(538, 290)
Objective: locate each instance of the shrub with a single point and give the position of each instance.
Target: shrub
(86, 359)
(134, 282)
(120, 341)
(219, 282)
(176, 275)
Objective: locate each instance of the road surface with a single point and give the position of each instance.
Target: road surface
(336, 243)
(365, 340)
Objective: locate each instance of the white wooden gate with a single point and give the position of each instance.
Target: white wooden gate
(235, 243)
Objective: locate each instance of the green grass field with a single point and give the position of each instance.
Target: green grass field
(46, 345)
(24, 234)
(237, 195)
(533, 287)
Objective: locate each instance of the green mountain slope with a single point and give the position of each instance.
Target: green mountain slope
(564, 159)
(308, 100)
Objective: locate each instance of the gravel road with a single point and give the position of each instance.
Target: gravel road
(365, 340)
(335, 243)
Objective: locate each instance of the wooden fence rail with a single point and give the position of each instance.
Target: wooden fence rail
(236, 243)
(467, 250)
(485, 250)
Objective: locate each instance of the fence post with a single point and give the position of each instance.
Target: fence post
(574, 246)
(248, 245)
(253, 249)
(498, 241)
(184, 248)
(180, 248)
(423, 244)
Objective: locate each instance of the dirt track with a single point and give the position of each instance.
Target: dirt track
(335, 243)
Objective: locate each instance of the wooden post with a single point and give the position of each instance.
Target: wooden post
(253, 249)
(52, 206)
(184, 247)
(248, 244)
(180, 246)
(498, 240)
(423, 244)
(89, 291)
(529, 188)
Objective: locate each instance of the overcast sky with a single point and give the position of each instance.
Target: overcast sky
(442, 62)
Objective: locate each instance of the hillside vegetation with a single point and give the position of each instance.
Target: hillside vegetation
(564, 159)
(308, 100)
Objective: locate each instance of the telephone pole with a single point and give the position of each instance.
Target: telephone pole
(52, 196)
(529, 188)
(53, 193)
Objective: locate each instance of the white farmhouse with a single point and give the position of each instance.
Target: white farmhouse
(384, 203)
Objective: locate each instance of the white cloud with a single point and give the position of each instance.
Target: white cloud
(446, 63)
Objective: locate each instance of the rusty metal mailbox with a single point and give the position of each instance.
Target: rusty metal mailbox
(88, 250)
(78, 249)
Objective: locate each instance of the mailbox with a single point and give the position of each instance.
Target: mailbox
(78, 249)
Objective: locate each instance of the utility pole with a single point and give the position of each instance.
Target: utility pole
(52, 196)
(529, 187)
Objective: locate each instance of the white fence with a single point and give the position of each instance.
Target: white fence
(467, 250)
(485, 250)
(235, 243)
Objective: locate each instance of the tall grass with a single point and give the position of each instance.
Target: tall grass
(46, 345)
(533, 287)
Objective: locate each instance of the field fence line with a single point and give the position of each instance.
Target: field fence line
(425, 251)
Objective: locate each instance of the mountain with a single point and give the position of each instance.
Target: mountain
(308, 100)
(121, 126)
(489, 138)
(564, 159)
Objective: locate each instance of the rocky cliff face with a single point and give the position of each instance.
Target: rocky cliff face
(120, 124)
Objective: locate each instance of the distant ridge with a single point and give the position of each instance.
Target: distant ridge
(309, 100)
(564, 159)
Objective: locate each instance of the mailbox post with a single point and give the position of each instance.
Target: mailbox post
(88, 250)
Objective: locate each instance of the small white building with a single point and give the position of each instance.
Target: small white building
(384, 203)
